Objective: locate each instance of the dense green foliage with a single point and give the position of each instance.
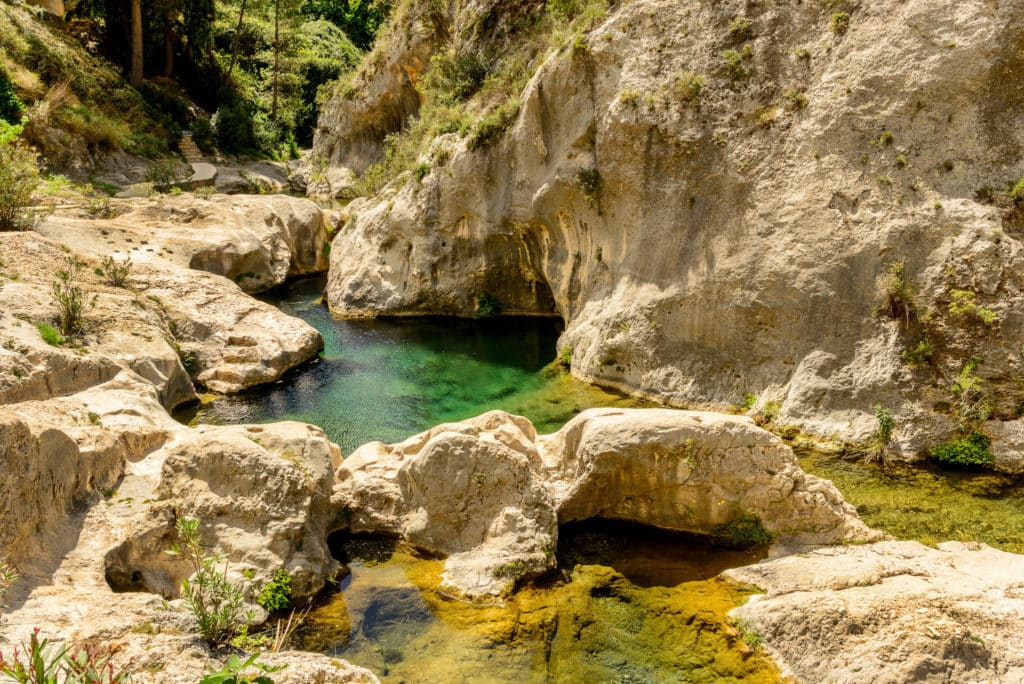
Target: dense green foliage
(743, 532)
(359, 19)
(277, 593)
(19, 177)
(234, 672)
(11, 107)
(971, 451)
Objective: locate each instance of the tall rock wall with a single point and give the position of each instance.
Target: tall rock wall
(704, 245)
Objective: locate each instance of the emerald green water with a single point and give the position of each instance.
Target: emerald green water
(389, 379)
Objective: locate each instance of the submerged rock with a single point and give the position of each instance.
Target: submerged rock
(489, 494)
(891, 612)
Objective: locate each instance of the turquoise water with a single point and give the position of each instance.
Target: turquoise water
(388, 379)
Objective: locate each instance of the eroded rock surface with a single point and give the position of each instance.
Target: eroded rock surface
(701, 246)
(891, 612)
(693, 472)
(254, 240)
(171, 325)
(489, 493)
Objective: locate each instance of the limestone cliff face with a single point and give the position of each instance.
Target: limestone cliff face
(700, 246)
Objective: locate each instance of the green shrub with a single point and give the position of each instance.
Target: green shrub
(214, 600)
(886, 139)
(488, 306)
(897, 293)
(70, 298)
(740, 29)
(39, 662)
(748, 402)
(50, 334)
(969, 452)
(116, 272)
(970, 400)
(203, 135)
(736, 63)
(878, 445)
(422, 170)
(962, 304)
(797, 100)
(454, 76)
(11, 108)
(747, 530)
(162, 173)
(19, 178)
(233, 123)
(920, 354)
(492, 127)
(688, 86)
(839, 24)
(1016, 191)
(565, 356)
(277, 593)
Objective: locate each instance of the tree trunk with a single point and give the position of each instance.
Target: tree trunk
(277, 58)
(234, 44)
(168, 50)
(136, 66)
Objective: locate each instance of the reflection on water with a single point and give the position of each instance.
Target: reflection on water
(391, 378)
(628, 604)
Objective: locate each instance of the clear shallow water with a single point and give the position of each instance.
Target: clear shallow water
(391, 378)
(629, 604)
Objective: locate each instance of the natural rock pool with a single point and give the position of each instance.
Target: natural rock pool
(625, 606)
(389, 379)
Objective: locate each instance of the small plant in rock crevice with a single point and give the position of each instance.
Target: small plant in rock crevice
(565, 356)
(737, 63)
(215, 601)
(877, 448)
(839, 24)
(589, 182)
(963, 305)
(70, 299)
(235, 671)
(897, 293)
(742, 532)
(115, 272)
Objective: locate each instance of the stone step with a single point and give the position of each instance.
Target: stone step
(189, 149)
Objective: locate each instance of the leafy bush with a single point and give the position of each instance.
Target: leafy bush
(878, 446)
(277, 593)
(969, 452)
(736, 63)
(162, 173)
(920, 354)
(565, 356)
(233, 123)
(455, 76)
(39, 662)
(50, 334)
(203, 135)
(740, 29)
(116, 272)
(688, 86)
(11, 107)
(19, 178)
(492, 127)
(1016, 191)
(215, 601)
(970, 401)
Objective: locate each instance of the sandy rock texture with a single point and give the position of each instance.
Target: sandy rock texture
(489, 493)
(891, 612)
(171, 325)
(703, 246)
(693, 472)
(257, 241)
